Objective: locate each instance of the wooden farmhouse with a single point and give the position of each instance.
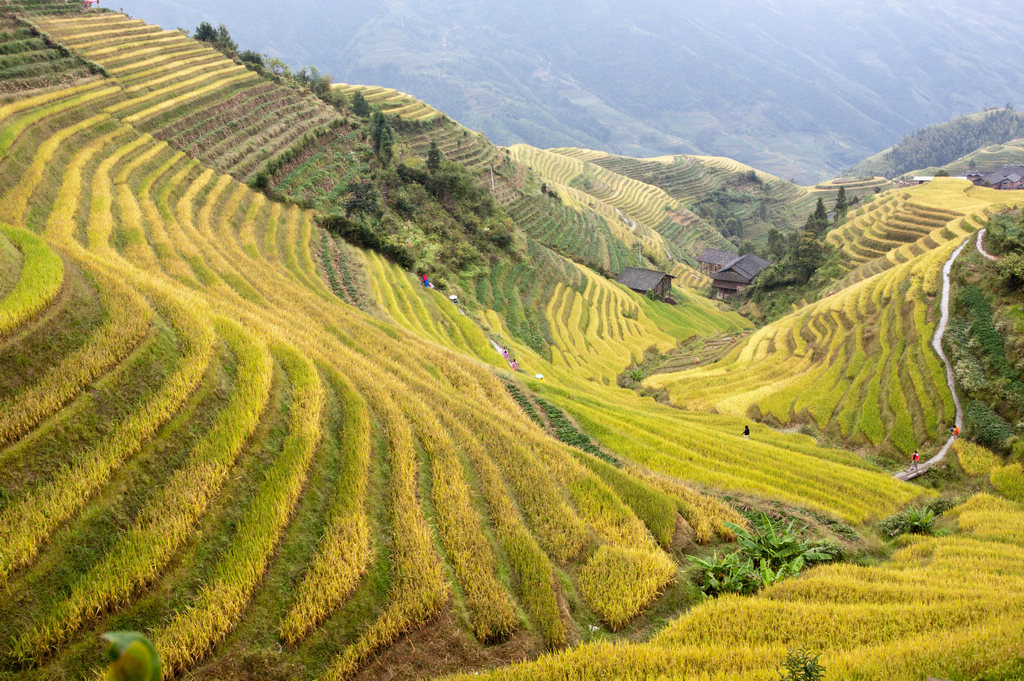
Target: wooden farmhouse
(657, 284)
(1006, 178)
(712, 259)
(737, 275)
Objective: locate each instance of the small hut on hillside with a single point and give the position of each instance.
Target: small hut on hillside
(737, 275)
(657, 284)
(712, 259)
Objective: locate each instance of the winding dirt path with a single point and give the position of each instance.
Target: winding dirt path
(940, 331)
(981, 246)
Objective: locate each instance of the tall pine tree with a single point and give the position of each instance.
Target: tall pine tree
(841, 204)
(433, 157)
(817, 221)
(360, 107)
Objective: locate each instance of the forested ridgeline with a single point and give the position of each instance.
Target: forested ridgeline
(938, 145)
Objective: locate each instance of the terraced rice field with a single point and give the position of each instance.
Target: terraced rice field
(636, 202)
(583, 235)
(45, 7)
(392, 102)
(943, 607)
(205, 387)
(598, 329)
(903, 224)
(29, 60)
(319, 174)
(190, 95)
(319, 177)
(757, 199)
(987, 158)
(519, 292)
(857, 363)
(201, 439)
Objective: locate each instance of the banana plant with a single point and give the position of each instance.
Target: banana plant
(769, 553)
(774, 543)
(730, 574)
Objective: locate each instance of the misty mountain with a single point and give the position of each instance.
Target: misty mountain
(800, 88)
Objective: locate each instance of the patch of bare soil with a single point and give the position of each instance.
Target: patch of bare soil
(443, 647)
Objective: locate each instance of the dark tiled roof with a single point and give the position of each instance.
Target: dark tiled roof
(1011, 173)
(742, 269)
(640, 279)
(716, 257)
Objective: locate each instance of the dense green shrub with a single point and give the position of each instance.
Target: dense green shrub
(366, 235)
(1011, 270)
(800, 665)
(1005, 233)
(731, 573)
(912, 521)
(985, 425)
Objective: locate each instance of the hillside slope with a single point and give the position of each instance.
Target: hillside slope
(739, 201)
(282, 456)
(865, 348)
(202, 441)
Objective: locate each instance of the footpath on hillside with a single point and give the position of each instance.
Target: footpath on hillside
(981, 246)
(940, 332)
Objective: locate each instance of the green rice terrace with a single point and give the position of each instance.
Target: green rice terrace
(234, 418)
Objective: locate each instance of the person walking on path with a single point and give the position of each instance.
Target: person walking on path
(746, 432)
(515, 365)
(914, 460)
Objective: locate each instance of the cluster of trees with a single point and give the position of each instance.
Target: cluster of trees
(360, 107)
(804, 262)
(940, 144)
(309, 77)
(798, 255)
(434, 217)
(1006, 237)
(219, 37)
(746, 199)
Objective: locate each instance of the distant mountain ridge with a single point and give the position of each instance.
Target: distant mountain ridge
(942, 144)
(801, 90)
